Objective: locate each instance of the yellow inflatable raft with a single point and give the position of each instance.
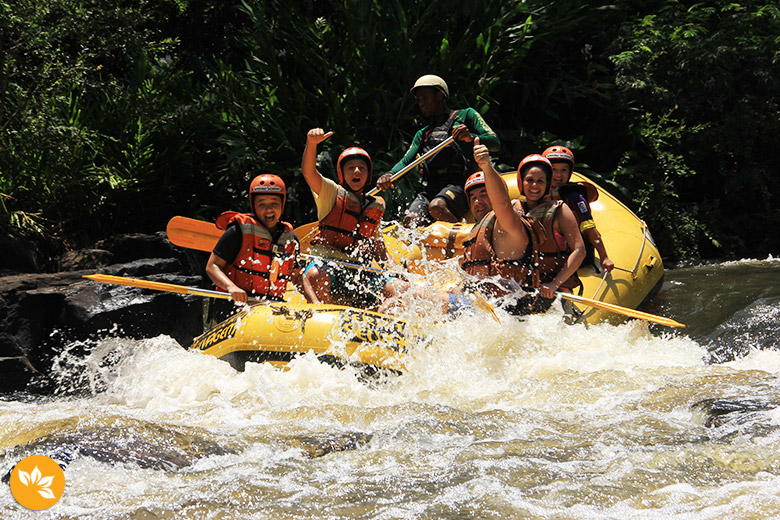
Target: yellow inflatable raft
(276, 333)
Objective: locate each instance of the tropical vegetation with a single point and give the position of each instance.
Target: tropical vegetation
(116, 116)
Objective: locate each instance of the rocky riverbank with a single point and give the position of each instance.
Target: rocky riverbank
(43, 313)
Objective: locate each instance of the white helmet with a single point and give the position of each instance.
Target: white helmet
(429, 80)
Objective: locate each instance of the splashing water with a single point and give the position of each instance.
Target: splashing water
(522, 419)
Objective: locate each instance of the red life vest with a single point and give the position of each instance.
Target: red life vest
(480, 256)
(348, 221)
(551, 256)
(262, 267)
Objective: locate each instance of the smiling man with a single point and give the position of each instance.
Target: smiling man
(443, 197)
(349, 229)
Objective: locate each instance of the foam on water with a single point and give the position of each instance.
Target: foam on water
(526, 418)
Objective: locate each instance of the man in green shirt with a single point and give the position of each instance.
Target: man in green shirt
(443, 197)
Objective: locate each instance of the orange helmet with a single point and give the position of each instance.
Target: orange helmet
(358, 153)
(474, 180)
(559, 154)
(534, 160)
(267, 184)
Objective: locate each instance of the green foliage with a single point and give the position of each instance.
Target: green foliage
(116, 116)
(708, 75)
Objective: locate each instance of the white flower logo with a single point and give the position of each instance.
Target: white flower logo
(36, 478)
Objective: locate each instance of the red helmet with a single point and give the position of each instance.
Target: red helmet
(534, 160)
(474, 180)
(267, 184)
(355, 152)
(559, 154)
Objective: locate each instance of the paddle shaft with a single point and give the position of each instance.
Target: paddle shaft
(409, 167)
(633, 313)
(165, 287)
(347, 264)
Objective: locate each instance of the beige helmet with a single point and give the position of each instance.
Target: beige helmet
(429, 80)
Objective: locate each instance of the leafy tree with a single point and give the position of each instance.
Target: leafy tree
(115, 117)
(701, 85)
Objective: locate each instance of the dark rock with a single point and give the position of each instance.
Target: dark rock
(19, 255)
(166, 447)
(85, 259)
(121, 440)
(756, 326)
(737, 417)
(40, 314)
(135, 246)
(148, 267)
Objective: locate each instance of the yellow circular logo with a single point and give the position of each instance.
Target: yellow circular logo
(37, 482)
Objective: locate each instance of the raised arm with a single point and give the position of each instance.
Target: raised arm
(309, 162)
(508, 219)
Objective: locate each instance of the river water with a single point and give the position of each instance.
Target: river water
(531, 419)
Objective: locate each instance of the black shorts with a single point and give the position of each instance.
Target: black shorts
(453, 195)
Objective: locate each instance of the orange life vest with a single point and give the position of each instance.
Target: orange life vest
(263, 267)
(480, 256)
(551, 256)
(349, 221)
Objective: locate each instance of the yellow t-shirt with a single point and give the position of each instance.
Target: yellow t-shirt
(325, 202)
(327, 198)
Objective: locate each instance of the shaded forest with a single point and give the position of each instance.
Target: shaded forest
(116, 116)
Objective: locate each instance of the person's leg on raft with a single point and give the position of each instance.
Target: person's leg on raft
(417, 214)
(316, 283)
(450, 204)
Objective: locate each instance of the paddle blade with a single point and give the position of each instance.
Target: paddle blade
(193, 234)
(481, 303)
(633, 313)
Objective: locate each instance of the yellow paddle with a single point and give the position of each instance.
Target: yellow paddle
(625, 311)
(193, 234)
(166, 287)
(409, 167)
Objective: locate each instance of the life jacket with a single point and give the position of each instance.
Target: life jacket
(588, 191)
(263, 267)
(550, 257)
(568, 193)
(480, 256)
(449, 162)
(349, 221)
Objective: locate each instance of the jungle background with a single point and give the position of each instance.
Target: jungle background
(116, 116)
